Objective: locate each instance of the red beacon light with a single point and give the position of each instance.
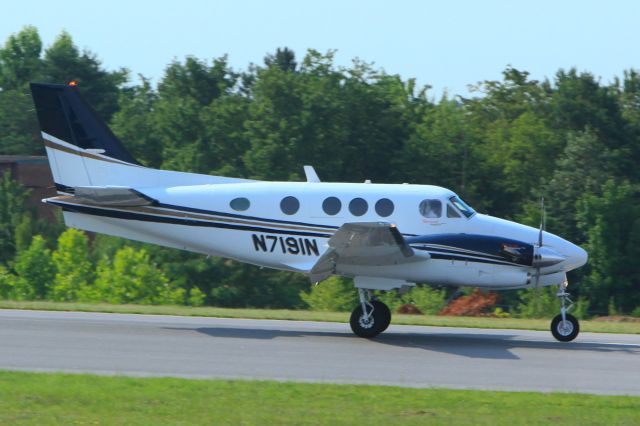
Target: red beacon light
(73, 83)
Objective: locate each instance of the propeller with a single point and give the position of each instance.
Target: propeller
(538, 254)
(542, 221)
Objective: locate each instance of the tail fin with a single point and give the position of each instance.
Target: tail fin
(65, 115)
(83, 151)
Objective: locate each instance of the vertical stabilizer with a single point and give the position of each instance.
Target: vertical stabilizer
(83, 151)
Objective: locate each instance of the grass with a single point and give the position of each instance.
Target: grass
(284, 314)
(67, 399)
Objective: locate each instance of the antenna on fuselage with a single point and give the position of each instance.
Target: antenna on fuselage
(310, 173)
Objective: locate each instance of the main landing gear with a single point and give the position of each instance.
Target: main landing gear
(371, 317)
(565, 327)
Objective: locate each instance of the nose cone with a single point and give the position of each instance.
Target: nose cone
(575, 256)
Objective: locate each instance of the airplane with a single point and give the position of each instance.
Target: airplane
(384, 236)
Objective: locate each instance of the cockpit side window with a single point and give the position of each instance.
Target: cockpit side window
(463, 207)
(452, 212)
(431, 209)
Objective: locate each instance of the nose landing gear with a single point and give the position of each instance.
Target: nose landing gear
(371, 317)
(565, 327)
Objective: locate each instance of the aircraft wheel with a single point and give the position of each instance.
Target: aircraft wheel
(567, 331)
(386, 314)
(372, 325)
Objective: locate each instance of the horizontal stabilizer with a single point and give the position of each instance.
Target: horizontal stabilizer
(362, 244)
(112, 196)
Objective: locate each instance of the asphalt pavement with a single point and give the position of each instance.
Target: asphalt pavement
(411, 356)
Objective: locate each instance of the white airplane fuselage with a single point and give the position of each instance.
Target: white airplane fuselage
(200, 218)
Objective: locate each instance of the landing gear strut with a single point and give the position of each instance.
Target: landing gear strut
(371, 317)
(565, 327)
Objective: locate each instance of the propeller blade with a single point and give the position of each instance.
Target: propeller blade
(542, 220)
(539, 254)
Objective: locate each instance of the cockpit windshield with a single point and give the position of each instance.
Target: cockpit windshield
(464, 208)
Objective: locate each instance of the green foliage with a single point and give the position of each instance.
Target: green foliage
(7, 284)
(135, 123)
(500, 313)
(572, 139)
(429, 300)
(24, 232)
(20, 58)
(636, 312)
(539, 303)
(36, 271)
(233, 284)
(63, 62)
(335, 294)
(12, 208)
(20, 134)
(611, 222)
(426, 298)
(74, 269)
(581, 308)
(133, 278)
(392, 299)
(196, 297)
(441, 134)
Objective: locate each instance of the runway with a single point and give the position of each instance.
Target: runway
(411, 356)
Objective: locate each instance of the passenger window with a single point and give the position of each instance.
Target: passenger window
(431, 209)
(452, 212)
(240, 204)
(358, 207)
(289, 205)
(384, 207)
(331, 206)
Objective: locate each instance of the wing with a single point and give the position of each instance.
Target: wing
(363, 243)
(115, 196)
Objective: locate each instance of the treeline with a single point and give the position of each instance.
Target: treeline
(573, 139)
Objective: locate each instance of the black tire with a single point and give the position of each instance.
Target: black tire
(567, 333)
(385, 313)
(378, 322)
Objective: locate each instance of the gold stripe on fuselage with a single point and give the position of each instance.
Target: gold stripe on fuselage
(59, 147)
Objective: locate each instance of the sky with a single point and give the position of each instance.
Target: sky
(445, 44)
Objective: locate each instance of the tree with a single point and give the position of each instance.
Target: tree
(196, 80)
(35, 270)
(133, 278)
(12, 209)
(335, 294)
(181, 117)
(20, 60)
(539, 303)
(284, 59)
(511, 141)
(135, 123)
(580, 103)
(63, 62)
(429, 300)
(20, 134)
(298, 118)
(611, 222)
(584, 166)
(439, 144)
(240, 285)
(74, 269)
(521, 150)
(7, 284)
